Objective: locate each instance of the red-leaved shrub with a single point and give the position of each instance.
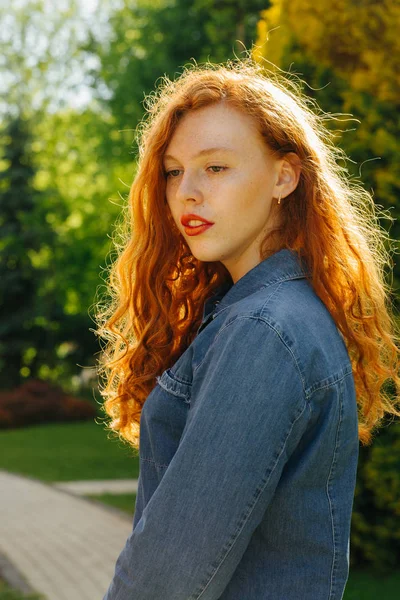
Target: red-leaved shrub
(37, 401)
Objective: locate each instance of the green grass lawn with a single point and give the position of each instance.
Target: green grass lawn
(66, 452)
(8, 593)
(364, 585)
(125, 502)
(361, 586)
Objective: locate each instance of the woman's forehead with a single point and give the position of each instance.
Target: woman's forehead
(210, 128)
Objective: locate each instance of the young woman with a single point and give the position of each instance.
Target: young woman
(250, 339)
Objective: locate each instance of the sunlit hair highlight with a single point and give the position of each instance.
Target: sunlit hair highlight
(157, 288)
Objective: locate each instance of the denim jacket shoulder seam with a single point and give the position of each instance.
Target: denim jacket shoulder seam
(279, 281)
(330, 381)
(261, 320)
(324, 383)
(236, 317)
(271, 326)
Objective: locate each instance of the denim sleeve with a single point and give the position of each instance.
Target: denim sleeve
(248, 412)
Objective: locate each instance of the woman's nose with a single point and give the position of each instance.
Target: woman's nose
(189, 187)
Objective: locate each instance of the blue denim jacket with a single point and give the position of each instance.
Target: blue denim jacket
(248, 453)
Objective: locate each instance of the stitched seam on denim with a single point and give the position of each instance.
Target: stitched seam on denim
(287, 277)
(175, 377)
(327, 492)
(281, 279)
(225, 326)
(261, 320)
(153, 462)
(236, 535)
(169, 373)
(303, 383)
(274, 293)
(168, 387)
(338, 377)
(216, 313)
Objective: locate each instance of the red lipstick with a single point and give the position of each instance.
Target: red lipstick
(196, 229)
(192, 217)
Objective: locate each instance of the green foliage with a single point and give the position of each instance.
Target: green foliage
(87, 190)
(150, 39)
(90, 190)
(42, 65)
(48, 262)
(347, 52)
(375, 534)
(44, 325)
(24, 245)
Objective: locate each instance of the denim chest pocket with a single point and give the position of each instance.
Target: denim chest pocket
(176, 385)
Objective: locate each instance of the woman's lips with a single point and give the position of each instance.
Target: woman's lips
(198, 229)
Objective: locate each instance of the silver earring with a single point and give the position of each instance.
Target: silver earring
(279, 199)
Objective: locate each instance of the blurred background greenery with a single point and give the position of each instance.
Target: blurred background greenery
(73, 78)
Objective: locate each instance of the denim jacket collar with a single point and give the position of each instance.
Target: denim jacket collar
(281, 266)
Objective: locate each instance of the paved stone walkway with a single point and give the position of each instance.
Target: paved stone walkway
(64, 546)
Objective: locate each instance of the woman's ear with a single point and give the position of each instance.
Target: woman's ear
(288, 175)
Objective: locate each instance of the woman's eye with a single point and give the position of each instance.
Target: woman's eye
(174, 172)
(168, 173)
(217, 167)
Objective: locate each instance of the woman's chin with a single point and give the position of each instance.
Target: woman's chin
(205, 255)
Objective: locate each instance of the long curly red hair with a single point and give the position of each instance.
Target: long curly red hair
(156, 288)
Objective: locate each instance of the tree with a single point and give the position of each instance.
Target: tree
(347, 52)
(42, 65)
(152, 38)
(44, 326)
(24, 238)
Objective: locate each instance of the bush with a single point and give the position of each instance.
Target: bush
(37, 401)
(375, 528)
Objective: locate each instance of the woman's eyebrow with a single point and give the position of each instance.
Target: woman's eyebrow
(204, 151)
